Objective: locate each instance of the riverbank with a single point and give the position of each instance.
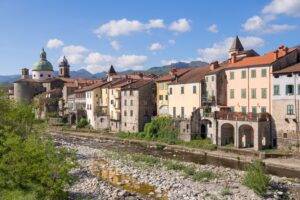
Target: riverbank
(285, 167)
(95, 154)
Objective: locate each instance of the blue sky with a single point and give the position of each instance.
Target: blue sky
(136, 34)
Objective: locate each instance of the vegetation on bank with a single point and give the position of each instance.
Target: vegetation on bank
(187, 170)
(161, 129)
(256, 178)
(31, 167)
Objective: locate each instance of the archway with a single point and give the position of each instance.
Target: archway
(73, 118)
(227, 134)
(246, 136)
(203, 131)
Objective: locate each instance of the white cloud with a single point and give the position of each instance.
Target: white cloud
(156, 46)
(264, 25)
(287, 7)
(155, 23)
(97, 62)
(180, 25)
(75, 54)
(168, 62)
(213, 28)
(172, 41)
(115, 45)
(219, 50)
(54, 43)
(123, 26)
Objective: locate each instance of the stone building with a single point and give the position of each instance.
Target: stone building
(285, 106)
(137, 105)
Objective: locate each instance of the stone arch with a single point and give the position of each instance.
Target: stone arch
(227, 134)
(246, 136)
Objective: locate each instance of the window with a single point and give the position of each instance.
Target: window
(253, 93)
(131, 102)
(289, 89)
(49, 75)
(290, 109)
(182, 90)
(276, 89)
(243, 76)
(206, 79)
(243, 93)
(231, 75)
(263, 109)
(125, 113)
(167, 97)
(182, 112)
(231, 93)
(130, 92)
(263, 93)
(125, 93)
(111, 101)
(194, 108)
(212, 78)
(41, 75)
(170, 90)
(244, 109)
(161, 97)
(254, 110)
(131, 113)
(298, 89)
(125, 102)
(232, 108)
(263, 72)
(174, 112)
(253, 73)
(194, 89)
(112, 91)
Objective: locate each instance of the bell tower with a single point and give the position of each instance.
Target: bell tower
(64, 68)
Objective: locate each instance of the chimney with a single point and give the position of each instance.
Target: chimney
(173, 72)
(285, 50)
(275, 54)
(214, 65)
(25, 73)
(233, 58)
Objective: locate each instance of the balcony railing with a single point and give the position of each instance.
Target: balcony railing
(238, 116)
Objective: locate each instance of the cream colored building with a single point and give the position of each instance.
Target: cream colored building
(185, 93)
(162, 96)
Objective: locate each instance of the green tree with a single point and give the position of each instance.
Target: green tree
(31, 167)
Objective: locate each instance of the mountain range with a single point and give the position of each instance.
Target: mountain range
(82, 73)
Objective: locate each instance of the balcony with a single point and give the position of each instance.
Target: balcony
(237, 116)
(117, 105)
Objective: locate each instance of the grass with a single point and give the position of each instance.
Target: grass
(226, 191)
(198, 144)
(176, 166)
(203, 176)
(256, 179)
(147, 159)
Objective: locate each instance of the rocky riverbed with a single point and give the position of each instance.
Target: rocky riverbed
(101, 175)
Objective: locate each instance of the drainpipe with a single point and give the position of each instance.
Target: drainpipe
(296, 108)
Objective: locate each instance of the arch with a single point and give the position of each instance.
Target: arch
(204, 125)
(227, 134)
(73, 118)
(246, 136)
(163, 110)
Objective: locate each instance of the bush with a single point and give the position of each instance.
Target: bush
(31, 167)
(172, 165)
(83, 122)
(256, 179)
(161, 128)
(201, 143)
(150, 160)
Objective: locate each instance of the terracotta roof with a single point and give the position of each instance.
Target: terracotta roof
(123, 83)
(137, 84)
(266, 59)
(292, 69)
(195, 75)
(91, 87)
(169, 77)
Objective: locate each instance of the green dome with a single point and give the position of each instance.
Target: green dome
(43, 64)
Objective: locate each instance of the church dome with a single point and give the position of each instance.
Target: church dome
(43, 64)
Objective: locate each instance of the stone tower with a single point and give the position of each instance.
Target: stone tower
(111, 73)
(64, 68)
(236, 47)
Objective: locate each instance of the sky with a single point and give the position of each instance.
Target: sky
(139, 34)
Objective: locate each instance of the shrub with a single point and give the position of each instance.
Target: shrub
(201, 143)
(256, 179)
(31, 167)
(83, 122)
(160, 147)
(188, 170)
(226, 191)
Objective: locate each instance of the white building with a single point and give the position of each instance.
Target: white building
(43, 69)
